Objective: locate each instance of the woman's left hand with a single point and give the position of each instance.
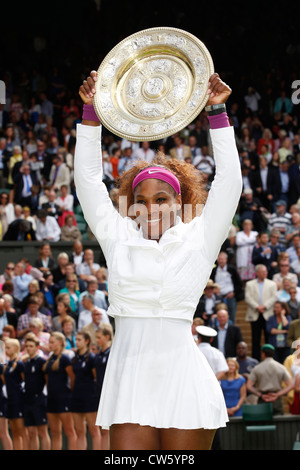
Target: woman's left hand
(218, 90)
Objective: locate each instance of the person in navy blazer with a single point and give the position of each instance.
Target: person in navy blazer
(23, 194)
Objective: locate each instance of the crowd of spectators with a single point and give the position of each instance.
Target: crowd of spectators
(259, 262)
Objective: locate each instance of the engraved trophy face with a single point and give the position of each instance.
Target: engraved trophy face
(153, 84)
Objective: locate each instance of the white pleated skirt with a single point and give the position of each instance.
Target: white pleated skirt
(157, 376)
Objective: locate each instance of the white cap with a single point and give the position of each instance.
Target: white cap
(206, 331)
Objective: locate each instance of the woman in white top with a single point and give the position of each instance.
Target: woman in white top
(245, 241)
(159, 391)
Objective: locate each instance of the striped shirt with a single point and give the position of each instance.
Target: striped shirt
(278, 222)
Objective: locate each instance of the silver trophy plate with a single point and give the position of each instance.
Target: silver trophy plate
(153, 84)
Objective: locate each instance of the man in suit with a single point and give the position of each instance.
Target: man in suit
(20, 229)
(24, 180)
(228, 335)
(266, 183)
(51, 207)
(180, 151)
(260, 296)
(59, 173)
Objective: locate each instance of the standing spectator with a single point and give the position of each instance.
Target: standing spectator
(6, 318)
(66, 203)
(245, 362)
(260, 296)
(228, 335)
(293, 331)
(45, 261)
(53, 209)
(180, 151)
(72, 289)
(59, 273)
(21, 281)
(231, 287)
(77, 255)
(8, 273)
(293, 303)
(245, 240)
(294, 228)
(264, 253)
(47, 227)
(292, 250)
(266, 379)
(281, 220)
(266, 183)
(277, 328)
(96, 322)
(275, 243)
(252, 100)
(234, 388)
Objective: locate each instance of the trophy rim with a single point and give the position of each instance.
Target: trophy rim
(180, 55)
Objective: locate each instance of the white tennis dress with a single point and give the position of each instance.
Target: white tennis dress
(156, 375)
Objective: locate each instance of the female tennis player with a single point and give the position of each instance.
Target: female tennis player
(159, 392)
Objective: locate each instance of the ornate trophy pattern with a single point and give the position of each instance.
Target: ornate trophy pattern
(153, 84)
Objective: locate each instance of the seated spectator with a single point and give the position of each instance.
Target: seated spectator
(21, 281)
(69, 231)
(59, 174)
(294, 228)
(70, 271)
(27, 216)
(6, 317)
(204, 162)
(8, 288)
(264, 253)
(67, 329)
(284, 272)
(207, 304)
(295, 265)
(7, 215)
(180, 151)
(292, 249)
(66, 203)
(277, 328)
(101, 276)
(33, 312)
(45, 261)
(144, 152)
(77, 254)
(33, 289)
(50, 291)
(47, 227)
(281, 220)
(234, 388)
(85, 316)
(92, 288)
(293, 303)
(88, 267)
(72, 289)
(294, 331)
(274, 242)
(231, 287)
(228, 335)
(20, 230)
(59, 272)
(245, 241)
(36, 327)
(250, 207)
(283, 294)
(63, 310)
(53, 209)
(245, 362)
(8, 273)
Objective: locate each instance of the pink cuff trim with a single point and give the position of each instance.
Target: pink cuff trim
(219, 121)
(89, 113)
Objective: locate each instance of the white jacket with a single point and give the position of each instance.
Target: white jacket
(149, 278)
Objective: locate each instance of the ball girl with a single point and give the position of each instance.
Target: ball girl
(13, 377)
(104, 338)
(35, 405)
(59, 379)
(4, 433)
(85, 401)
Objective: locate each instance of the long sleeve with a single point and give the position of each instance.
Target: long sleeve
(225, 191)
(103, 219)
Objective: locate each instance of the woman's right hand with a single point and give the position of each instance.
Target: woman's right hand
(87, 89)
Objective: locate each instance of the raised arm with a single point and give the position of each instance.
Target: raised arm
(226, 187)
(103, 219)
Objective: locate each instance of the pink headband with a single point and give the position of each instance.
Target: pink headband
(159, 174)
